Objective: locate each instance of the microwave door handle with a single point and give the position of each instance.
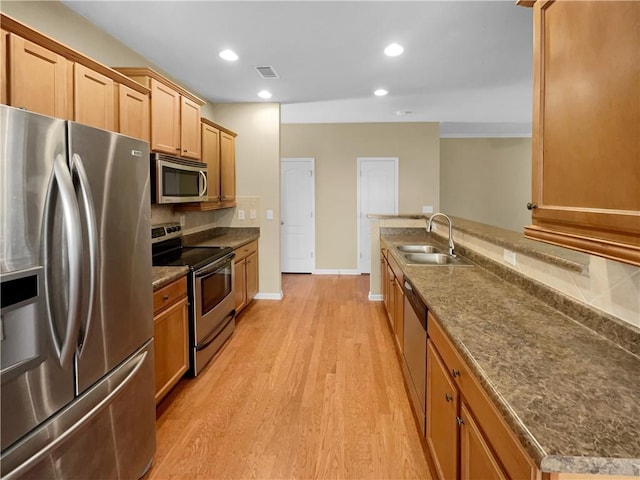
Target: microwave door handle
(204, 183)
(92, 233)
(61, 176)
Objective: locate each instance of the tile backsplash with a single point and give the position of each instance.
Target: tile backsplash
(198, 221)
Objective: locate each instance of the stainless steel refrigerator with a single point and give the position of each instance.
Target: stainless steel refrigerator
(76, 320)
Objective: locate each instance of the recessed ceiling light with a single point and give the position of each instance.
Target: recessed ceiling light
(228, 55)
(264, 94)
(381, 92)
(393, 50)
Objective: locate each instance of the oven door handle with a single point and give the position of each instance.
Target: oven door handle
(214, 333)
(214, 267)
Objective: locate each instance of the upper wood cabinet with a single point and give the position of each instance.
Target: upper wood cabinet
(133, 113)
(44, 76)
(93, 98)
(586, 127)
(175, 114)
(219, 153)
(39, 79)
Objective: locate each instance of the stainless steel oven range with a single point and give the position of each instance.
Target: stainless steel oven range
(210, 290)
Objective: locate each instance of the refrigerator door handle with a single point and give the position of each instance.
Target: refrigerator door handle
(204, 183)
(61, 176)
(77, 166)
(68, 432)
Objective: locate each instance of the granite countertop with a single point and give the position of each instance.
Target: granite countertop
(165, 275)
(571, 396)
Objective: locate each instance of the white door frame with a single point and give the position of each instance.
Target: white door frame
(313, 206)
(360, 160)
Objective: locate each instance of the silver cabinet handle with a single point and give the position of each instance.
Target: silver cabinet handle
(455, 373)
(460, 421)
(531, 206)
(448, 397)
(61, 177)
(165, 297)
(204, 183)
(77, 166)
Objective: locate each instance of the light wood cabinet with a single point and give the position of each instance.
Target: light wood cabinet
(393, 296)
(586, 117)
(227, 167)
(3, 71)
(93, 98)
(246, 274)
(170, 326)
(466, 435)
(174, 113)
(39, 79)
(133, 113)
(218, 152)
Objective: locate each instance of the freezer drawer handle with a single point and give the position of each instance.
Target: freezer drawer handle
(26, 466)
(77, 166)
(61, 176)
(214, 333)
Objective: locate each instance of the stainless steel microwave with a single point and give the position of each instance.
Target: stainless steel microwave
(176, 180)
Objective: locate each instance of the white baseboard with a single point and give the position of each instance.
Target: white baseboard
(375, 297)
(327, 271)
(269, 296)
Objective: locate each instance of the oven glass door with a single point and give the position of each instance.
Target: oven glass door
(214, 288)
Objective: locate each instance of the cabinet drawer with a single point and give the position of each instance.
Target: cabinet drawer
(169, 294)
(246, 250)
(510, 453)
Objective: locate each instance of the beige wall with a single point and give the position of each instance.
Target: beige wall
(257, 175)
(59, 22)
(487, 180)
(335, 148)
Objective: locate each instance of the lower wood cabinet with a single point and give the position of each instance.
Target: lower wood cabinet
(393, 295)
(171, 330)
(246, 274)
(466, 436)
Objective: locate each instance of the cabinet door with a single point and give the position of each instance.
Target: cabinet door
(476, 458)
(165, 119)
(190, 129)
(93, 98)
(133, 113)
(171, 342)
(252, 276)
(227, 167)
(39, 79)
(391, 313)
(211, 156)
(442, 409)
(4, 99)
(585, 145)
(240, 284)
(399, 314)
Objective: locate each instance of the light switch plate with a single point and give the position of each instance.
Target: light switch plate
(509, 257)
(269, 214)
(252, 214)
(240, 214)
(182, 220)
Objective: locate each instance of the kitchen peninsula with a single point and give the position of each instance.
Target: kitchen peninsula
(569, 394)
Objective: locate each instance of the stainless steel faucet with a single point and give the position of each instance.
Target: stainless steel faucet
(430, 225)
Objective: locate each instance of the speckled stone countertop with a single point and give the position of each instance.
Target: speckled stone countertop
(223, 237)
(165, 275)
(571, 396)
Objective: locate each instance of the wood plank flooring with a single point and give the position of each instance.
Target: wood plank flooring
(307, 387)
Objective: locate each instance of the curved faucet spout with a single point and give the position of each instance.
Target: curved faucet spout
(430, 225)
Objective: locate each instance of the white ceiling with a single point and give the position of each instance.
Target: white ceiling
(466, 64)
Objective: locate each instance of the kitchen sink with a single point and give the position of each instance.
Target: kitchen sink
(435, 259)
(417, 248)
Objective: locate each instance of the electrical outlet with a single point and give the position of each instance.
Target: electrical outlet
(269, 214)
(427, 209)
(182, 220)
(240, 214)
(252, 214)
(509, 257)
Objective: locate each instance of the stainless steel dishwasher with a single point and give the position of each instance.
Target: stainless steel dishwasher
(415, 350)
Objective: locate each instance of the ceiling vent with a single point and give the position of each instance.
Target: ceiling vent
(267, 72)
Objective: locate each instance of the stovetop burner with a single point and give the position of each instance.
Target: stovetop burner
(172, 253)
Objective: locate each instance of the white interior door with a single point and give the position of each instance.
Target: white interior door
(377, 194)
(297, 217)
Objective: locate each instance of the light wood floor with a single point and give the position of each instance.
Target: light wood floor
(307, 387)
